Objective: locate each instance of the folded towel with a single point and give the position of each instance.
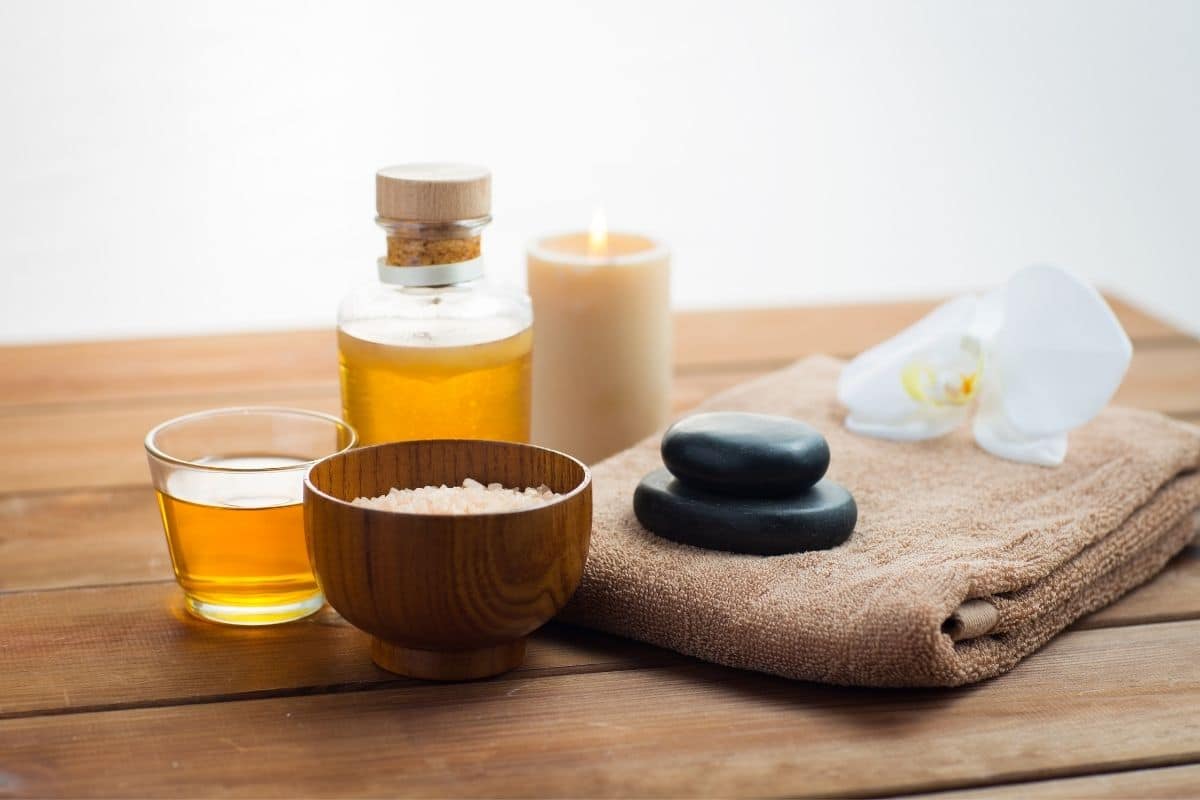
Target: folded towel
(961, 564)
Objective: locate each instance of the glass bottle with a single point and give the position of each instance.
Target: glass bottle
(432, 350)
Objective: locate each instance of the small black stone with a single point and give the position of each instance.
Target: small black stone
(752, 455)
(818, 518)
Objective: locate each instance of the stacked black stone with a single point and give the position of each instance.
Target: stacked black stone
(745, 483)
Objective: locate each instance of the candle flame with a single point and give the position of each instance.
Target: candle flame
(598, 233)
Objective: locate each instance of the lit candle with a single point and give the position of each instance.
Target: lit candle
(602, 340)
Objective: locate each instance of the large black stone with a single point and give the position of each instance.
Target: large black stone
(754, 455)
(821, 517)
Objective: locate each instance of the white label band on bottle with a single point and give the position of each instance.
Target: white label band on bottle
(431, 275)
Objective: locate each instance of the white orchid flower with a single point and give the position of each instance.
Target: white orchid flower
(1034, 359)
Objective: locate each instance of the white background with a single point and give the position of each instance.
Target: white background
(171, 167)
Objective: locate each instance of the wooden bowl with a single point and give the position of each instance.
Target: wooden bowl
(447, 597)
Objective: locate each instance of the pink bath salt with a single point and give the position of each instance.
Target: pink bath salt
(470, 498)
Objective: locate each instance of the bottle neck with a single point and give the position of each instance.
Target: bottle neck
(403, 252)
(423, 244)
(431, 253)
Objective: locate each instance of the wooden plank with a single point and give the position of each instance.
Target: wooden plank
(772, 335)
(693, 388)
(89, 373)
(77, 447)
(1090, 701)
(1165, 379)
(134, 645)
(1166, 783)
(141, 649)
(101, 447)
(1141, 325)
(86, 447)
(1173, 595)
(710, 339)
(121, 371)
(114, 536)
(81, 538)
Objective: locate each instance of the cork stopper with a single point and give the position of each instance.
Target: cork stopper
(433, 192)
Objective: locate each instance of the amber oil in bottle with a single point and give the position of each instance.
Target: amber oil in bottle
(432, 350)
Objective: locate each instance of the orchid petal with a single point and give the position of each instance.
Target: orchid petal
(989, 316)
(995, 434)
(871, 385)
(918, 426)
(1058, 357)
(1047, 451)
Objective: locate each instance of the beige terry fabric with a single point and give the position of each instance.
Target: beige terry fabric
(961, 564)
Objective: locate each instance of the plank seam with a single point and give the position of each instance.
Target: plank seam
(1017, 778)
(1133, 622)
(660, 660)
(355, 687)
(85, 587)
(124, 401)
(61, 490)
(1164, 341)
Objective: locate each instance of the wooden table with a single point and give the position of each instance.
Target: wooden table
(107, 688)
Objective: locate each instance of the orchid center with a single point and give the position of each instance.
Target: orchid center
(940, 385)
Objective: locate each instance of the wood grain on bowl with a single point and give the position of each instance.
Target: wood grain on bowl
(447, 597)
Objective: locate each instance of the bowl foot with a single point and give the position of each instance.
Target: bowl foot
(448, 665)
